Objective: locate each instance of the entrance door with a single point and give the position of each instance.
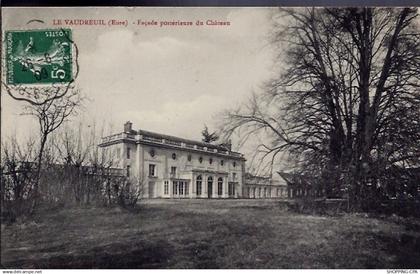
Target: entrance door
(151, 189)
(209, 186)
(209, 189)
(231, 190)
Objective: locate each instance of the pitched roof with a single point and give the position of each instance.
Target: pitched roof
(292, 178)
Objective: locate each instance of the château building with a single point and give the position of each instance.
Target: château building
(173, 167)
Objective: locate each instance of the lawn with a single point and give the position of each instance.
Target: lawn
(208, 234)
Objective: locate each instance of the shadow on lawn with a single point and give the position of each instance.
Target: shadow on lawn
(404, 247)
(143, 254)
(388, 251)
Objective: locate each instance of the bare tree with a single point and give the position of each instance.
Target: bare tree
(50, 116)
(124, 191)
(344, 106)
(71, 146)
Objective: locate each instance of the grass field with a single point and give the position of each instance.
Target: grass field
(208, 234)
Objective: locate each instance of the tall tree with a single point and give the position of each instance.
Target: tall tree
(50, 116)
(209, 137)
(345, 103)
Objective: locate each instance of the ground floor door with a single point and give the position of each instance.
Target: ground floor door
(180, 189)
(151, 189)
(209, 189)
(231, 190)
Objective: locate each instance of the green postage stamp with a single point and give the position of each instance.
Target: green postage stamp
(39, 56)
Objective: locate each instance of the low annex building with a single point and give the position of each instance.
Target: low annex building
(173, 167)
(261, 187)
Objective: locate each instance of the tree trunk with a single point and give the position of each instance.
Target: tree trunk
(38, 172)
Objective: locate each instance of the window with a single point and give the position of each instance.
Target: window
(173, 170)
(249, 192)
(265, 192)
(198, 184)
(220, 186)
(222, 162)
(128, 153)
(210, 161)
(189, 158)
(166, 188)
(152, 152)
(128, 171)
(118, 152)
(152, 171)
(234, 164)
(234, 176)
(174, 156)
(259, 192)
(200, 159)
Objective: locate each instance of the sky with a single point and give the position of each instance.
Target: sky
(169, 79)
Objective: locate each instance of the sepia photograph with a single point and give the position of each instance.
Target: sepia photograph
(210, 138)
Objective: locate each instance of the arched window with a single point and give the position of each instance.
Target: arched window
(220, 186)
(210, 179)
(199, 181)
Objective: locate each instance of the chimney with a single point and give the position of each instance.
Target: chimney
(128, 127)
(229, 144)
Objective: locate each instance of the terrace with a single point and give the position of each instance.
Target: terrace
(170, 141)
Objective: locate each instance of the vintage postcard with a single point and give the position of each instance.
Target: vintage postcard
(210, 138)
